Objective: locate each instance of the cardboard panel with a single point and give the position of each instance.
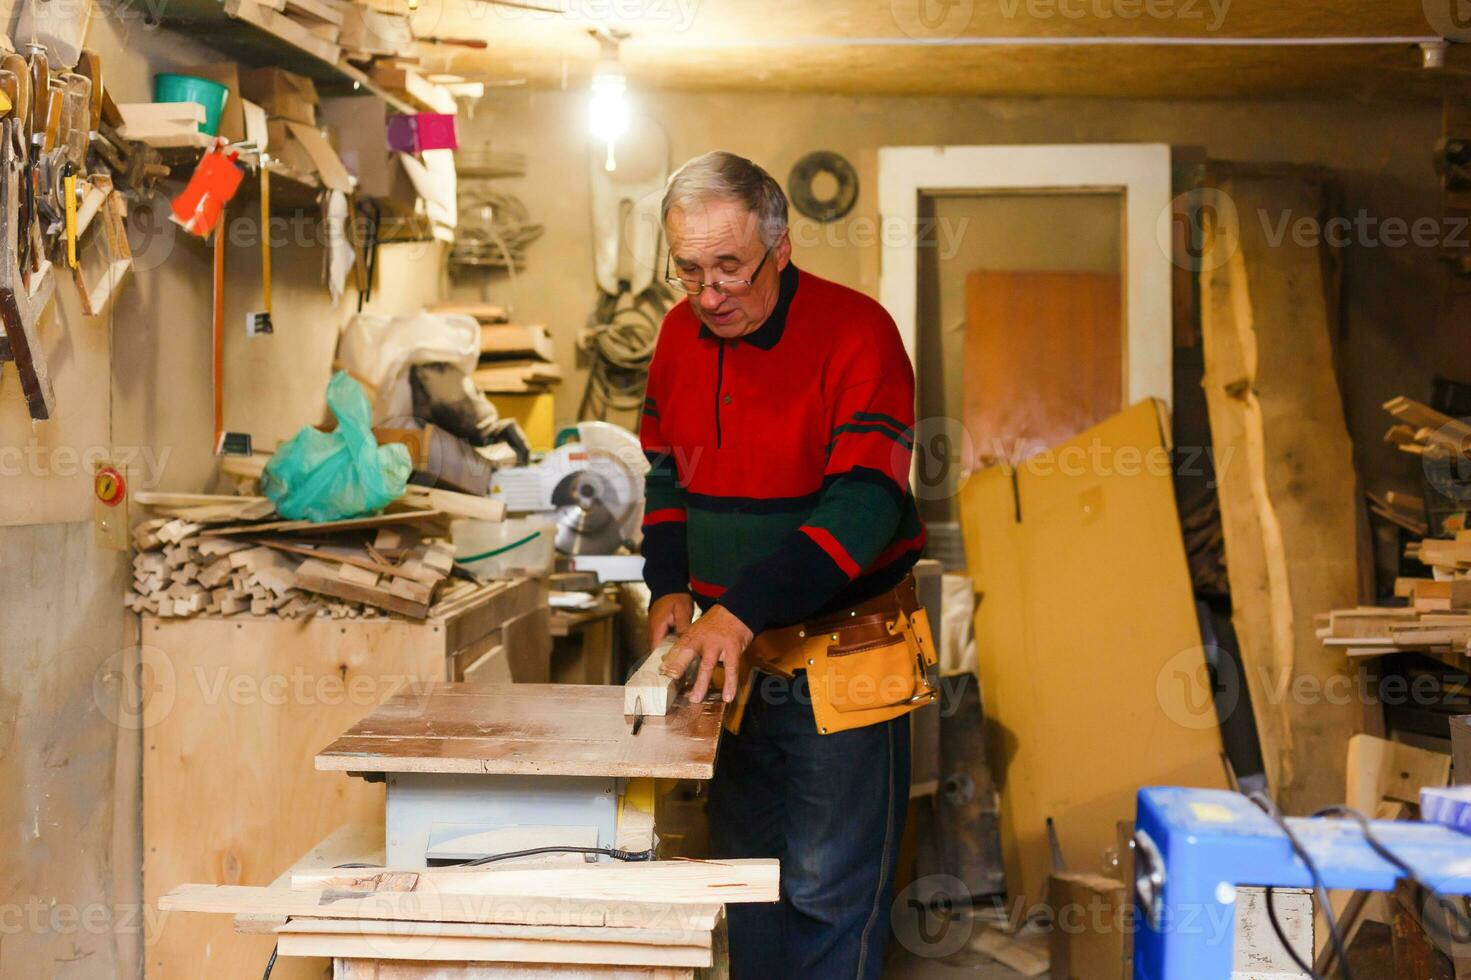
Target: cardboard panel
(1085, 632)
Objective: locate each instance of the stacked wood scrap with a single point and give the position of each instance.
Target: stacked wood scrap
(401, 76)
(656, 913)
(1421, 430)
(1444, 447)
(515, 358)
(1448, 558)
(1407, 510)
(368, 34)
(311, 25)
(1436, 617)
(225, 556)
(517, 375)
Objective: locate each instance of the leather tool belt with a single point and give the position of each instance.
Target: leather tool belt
(864, 665)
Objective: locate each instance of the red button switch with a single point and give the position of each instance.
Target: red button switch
(109, 486)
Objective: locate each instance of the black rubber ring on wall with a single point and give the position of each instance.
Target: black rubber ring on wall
(805, 171)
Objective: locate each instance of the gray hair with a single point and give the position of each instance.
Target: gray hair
(721, 174)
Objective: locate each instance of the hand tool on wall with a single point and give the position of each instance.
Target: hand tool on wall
(23, 297)
(217, 350)
(367, 263)
(20, 95)
(259, 322)
(40, 88)
(225, 443)
(90, 68)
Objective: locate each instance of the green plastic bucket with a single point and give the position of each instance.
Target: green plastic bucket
(186, 88)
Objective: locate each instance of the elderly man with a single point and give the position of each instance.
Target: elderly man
(779, 425)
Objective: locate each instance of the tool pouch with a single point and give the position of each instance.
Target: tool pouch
(864, 666)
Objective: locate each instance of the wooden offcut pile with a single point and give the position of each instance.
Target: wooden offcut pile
(515, 358)
(230, 556)
(1444, 447)
(1421, 430)
(1436, 618)
(651, 914)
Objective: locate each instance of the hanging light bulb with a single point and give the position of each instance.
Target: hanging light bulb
(608, 107)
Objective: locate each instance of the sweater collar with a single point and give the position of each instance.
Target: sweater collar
(767, 335)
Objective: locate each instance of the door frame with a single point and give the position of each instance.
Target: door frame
(1140, 172)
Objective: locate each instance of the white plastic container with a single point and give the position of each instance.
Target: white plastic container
(504, 549)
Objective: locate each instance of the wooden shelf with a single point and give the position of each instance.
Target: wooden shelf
(256, 44)
(290, 189)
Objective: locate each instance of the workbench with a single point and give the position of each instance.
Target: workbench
(596, 631)
(475, 770)
(236, 709)
(462, 761)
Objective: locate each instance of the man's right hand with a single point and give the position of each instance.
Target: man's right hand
(670, 613)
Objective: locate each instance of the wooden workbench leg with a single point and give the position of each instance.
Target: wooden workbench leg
(597, 651)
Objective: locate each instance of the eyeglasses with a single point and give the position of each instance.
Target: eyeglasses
(725, 287)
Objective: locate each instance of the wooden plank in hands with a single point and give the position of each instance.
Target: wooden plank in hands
(648, 690)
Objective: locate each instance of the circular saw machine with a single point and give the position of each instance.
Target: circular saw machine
(592, 488)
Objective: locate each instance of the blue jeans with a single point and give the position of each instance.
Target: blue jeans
(831, 809)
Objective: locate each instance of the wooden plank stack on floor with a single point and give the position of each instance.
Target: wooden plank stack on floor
(660, 914)
(213, 812)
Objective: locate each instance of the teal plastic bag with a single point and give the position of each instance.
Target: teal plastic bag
(330, 476)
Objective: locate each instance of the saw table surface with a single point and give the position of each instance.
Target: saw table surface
(527, 729)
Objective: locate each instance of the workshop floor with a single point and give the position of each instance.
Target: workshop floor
(903, 965)
(910, 963)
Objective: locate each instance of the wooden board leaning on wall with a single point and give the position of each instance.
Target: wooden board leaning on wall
(1286, 485)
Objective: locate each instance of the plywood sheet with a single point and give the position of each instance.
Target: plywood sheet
(69, 769)
(476, 949)
(235, 714)
(433, 907)
(1044, 358)
(675, 882)
(1380, 770)
(1286, 483)
(1085, 621)
(379, 969)
(546, 729)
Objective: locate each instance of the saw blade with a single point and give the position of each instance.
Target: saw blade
(588, 512)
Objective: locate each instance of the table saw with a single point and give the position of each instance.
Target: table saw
(474, 771)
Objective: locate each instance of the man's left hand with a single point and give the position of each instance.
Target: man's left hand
(716, 637)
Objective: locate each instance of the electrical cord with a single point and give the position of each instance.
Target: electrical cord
(620, 338)
(1270, 809)
(612, 852)
(1463, 923)
(493, 231)
(271, 963)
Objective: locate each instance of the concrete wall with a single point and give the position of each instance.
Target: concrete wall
(1380, 152)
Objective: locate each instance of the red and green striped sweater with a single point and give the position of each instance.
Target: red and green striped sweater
(779, 485)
